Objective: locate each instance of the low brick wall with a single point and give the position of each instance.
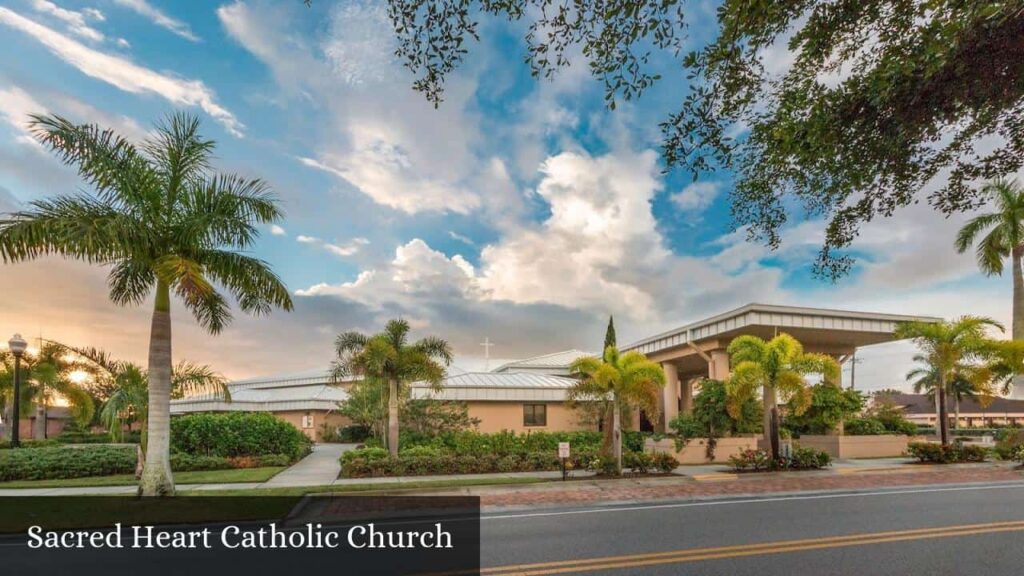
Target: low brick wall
(882, 446)
(695, 451)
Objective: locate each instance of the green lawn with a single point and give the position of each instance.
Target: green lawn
(231, 476)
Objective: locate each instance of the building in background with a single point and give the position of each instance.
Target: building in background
(920, 409)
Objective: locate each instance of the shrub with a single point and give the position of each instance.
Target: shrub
(808, 459)
(665, 462)
(421, 452)
(1008, 443)
(237, 434)
(503, 443)
(751, 459)
(419, 461)
(65, 462)
(353, 433)
(5, 444)
(77, 436)
(863, 427)
(938, 454)
(761, 460)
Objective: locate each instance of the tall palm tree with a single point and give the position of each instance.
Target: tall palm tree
(779, 367)
(165, 225)
(949, 347)
(1005, 239)
(630, 380)
(390, 359)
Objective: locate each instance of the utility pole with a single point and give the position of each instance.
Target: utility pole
(487, 353)
(853, 370)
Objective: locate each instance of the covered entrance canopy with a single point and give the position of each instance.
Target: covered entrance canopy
(698, 350)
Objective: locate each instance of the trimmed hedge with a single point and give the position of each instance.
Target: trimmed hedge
(81, 437)
(429, 460)
(232, 434)
(64, 462)
(938, 454)
(503, 443)
(50, 463)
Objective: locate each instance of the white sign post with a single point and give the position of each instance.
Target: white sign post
(563, 455)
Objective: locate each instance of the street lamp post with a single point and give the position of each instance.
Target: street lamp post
(17, 345)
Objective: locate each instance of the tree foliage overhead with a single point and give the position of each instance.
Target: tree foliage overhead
(883, 97)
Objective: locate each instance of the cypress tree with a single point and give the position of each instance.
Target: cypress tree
(609, 335)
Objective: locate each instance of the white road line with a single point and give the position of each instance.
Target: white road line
(751, 500)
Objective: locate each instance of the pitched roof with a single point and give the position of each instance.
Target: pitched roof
(266, 399)
(553, 360)
(493, 386)
(923, 404)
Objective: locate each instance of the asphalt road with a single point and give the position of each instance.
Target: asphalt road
(956, 530)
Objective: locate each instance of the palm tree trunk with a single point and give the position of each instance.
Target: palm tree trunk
(609, 430)
(617, 435)
(956, 410)
(769, 404)
(1018, 294)
(943, 418)
(393, 416)
(156, 473)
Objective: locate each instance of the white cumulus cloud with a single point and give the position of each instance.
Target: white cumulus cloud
(123, 73)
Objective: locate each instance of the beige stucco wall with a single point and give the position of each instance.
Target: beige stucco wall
(694, 451)
(294, 417)
(498, 416)
(882, 446)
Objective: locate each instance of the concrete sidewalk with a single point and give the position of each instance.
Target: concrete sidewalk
(320, 468)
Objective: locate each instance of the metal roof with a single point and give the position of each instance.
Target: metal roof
(259, 399)
(491, 386)
(554, 360)
(774, 315)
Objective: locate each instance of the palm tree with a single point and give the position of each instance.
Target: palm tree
(1005, 239)
(630, 380)
(46, 373)
(779, 367)
(967, 381)
(128, 400)
(949, 347)
(388, 358)
(164, 224)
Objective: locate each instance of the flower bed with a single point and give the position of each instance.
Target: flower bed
(760, 460)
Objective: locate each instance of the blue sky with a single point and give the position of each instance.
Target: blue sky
(519, 210)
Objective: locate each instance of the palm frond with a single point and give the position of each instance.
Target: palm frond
(252, 282)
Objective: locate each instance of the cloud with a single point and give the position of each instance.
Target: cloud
(599, 251)
(124, 74)
(16, 104)
(159, 18)
(373, 133)
(277, 230)
(349, 248)
(75, 21)
(464, 239)
(697, 196)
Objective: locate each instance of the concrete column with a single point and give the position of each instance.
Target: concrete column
(686, 395)
(718, 368)
(670, 395)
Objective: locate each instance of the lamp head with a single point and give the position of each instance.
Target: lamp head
(17, 345)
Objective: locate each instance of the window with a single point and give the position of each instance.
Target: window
(535, 415)
(307, 420)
